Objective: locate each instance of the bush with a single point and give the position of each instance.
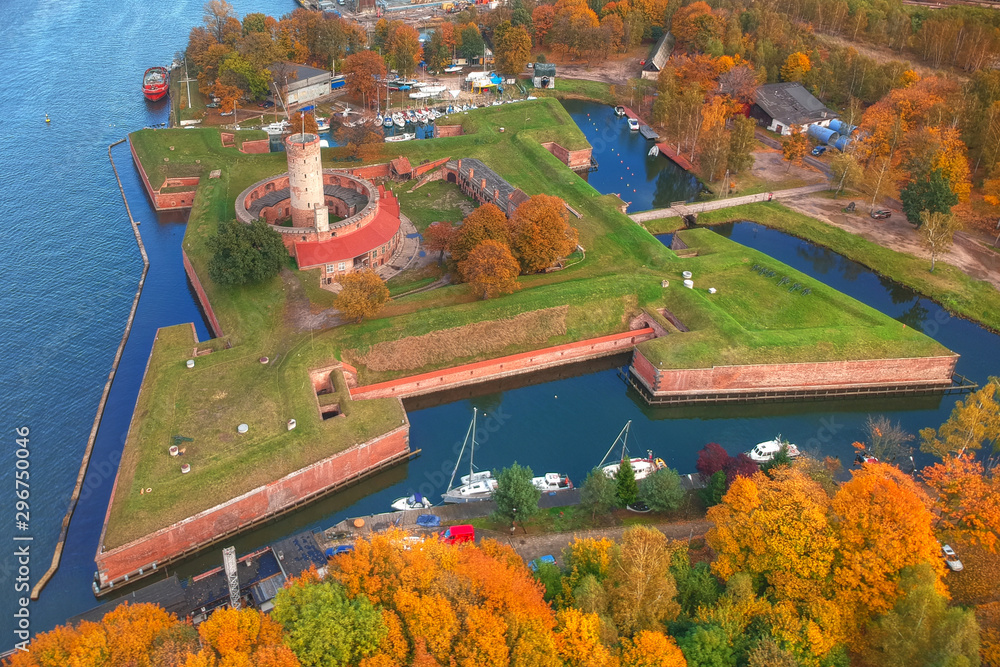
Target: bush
(713, 491)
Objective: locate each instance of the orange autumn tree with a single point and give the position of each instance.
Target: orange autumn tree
(651, 649)
(968, 499)
(541, 233)
(241, 637)
(883, 525)
(127, 636)
(486, 223)
(474, 604)
(490, 270)
(778, 531)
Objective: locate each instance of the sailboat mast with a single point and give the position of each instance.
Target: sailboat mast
(471, 431)
(472, 449)
(624, 432)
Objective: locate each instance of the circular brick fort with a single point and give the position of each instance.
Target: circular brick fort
(298, 205)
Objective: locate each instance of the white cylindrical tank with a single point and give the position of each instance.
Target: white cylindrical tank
(305, 178)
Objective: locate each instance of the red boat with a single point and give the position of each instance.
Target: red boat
(155, 83)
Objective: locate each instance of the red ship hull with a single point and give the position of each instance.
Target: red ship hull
(155, 83)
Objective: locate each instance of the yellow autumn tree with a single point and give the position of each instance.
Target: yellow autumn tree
(578, 639)
(883, 526)
(796, 66)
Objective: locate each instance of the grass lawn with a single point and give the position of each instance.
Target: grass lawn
(437, 201)
(952, 288)
(750, 319)
(577, 89)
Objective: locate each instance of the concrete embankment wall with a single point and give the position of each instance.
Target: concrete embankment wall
(493, 369)
(819, 376)
(254, 507)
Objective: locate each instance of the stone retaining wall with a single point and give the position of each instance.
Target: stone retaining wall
(493, 369)
(206, 305)
(243, 512)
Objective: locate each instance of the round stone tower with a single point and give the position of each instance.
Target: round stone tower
(305, 182)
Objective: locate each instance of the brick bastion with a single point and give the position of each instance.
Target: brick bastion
(145, 555)
(791, 380)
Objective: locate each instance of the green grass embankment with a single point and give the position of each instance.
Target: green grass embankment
(959, 293)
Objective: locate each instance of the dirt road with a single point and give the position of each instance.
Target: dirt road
(530, 547)
(897, 234)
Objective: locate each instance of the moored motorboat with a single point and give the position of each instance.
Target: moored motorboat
(322, 124)
(416, 501)
(453, 68)
(552, 481)
(405, 136)
(155, 83)
(633, 124)
(619, 110)
(765, 451)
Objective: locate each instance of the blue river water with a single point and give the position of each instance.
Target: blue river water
(73, 269)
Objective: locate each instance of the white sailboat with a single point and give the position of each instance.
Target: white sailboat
(642, 468)
(475, 486)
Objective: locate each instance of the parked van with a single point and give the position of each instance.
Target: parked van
(458, 534)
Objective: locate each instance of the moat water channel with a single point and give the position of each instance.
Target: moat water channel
(73, 268)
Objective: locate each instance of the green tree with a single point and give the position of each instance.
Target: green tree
(472, 42)
(363, 295)
(937, 232)
(245, 254)
(626, 488)
(741, 144)
(662, 491)
(598, 493)
(927, 192)
(922, 630)
(323, 627)
(714, 489)
(707, 646)
(254, 22)
(696, 585)
(516, 498)
(973, 423)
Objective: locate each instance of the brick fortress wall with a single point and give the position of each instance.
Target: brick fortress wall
(923, 371)
(187, 536)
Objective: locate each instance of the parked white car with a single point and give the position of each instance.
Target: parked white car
(951, 559)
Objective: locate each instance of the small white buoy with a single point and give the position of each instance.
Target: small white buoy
(242, 428)
(689, 284)
(291, 424)
(711, 290)
(185, 468)
(173, 450)
(190, 363)
(686, 274)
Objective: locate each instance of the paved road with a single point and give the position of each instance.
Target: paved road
(715, 204)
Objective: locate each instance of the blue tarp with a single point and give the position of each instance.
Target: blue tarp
(429, 520)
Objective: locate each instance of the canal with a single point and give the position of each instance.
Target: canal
(73, 267)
